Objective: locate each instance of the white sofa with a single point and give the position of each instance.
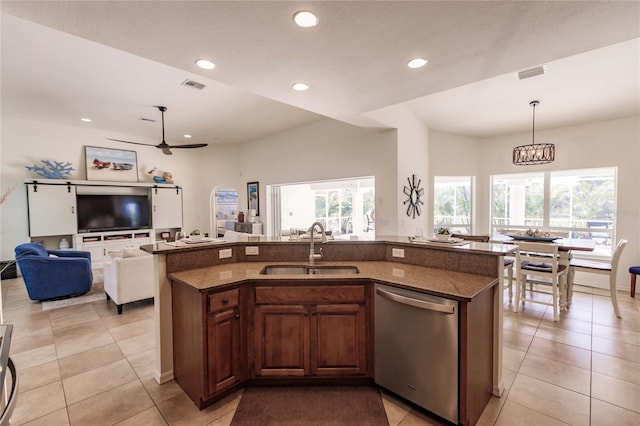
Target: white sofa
(224, 225)
(129, 277)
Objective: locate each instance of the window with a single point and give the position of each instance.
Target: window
(518, 200)
(452, 204)
(344, 207)
(569, 203)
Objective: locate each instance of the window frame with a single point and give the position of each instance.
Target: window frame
(608, 234)
(456, 227)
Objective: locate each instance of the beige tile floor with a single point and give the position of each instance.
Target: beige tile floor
(85, 365)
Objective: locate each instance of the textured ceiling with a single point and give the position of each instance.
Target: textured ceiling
(354, 61)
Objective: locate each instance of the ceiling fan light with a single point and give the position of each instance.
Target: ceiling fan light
(305, 19)
(205, 64)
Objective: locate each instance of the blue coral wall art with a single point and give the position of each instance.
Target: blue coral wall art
(52, 169)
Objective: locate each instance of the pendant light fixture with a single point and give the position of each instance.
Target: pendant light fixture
(535, 153)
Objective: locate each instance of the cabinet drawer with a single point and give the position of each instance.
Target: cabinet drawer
(222, 300)
(309, 294)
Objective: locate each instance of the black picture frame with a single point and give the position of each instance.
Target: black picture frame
(253, 197)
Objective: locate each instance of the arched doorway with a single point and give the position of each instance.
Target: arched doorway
(223, 208)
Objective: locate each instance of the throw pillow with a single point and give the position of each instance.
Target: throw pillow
(132, 252)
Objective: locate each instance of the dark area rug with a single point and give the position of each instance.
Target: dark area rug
(313, 405)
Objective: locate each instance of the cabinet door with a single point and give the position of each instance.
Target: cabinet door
(52, 210)
(167, 208)
(223, 349)
(282, 340)
(338, 339)
(97, 251)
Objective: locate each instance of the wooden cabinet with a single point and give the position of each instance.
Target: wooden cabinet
(338, 335)
(166, 210)
(223, 340)
(207, 342)
(248, 227)
(52, 209)
(282, 340)
(311, 331)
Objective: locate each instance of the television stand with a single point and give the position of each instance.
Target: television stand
(100, 244)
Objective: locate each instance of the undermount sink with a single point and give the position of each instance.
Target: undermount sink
(308, 270)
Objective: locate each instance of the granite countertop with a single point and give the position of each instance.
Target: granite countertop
(454, 285)
(488, 248)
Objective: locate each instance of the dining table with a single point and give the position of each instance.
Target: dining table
(566, 247)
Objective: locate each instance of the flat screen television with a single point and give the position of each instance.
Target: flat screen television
(99, 213)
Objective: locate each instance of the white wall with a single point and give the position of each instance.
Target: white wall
(412, 159)
(325, 150)
(329, 150)
(25, 143)
(455, 155)
(602, 144)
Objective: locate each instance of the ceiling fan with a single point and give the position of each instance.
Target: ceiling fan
(164, 146)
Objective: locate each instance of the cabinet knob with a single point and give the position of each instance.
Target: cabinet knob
(306, 314)
(313, 313)
(237, 316)
(225, 300)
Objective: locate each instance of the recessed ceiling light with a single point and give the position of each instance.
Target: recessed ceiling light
(417, 63)
(300, 87)
(86, 120)
(187, 136)
(205, 64)
(305, 19)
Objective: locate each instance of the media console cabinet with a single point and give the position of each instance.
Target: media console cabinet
(100, 244)
(53, 214)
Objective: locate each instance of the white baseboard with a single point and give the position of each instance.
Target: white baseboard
(165, 377)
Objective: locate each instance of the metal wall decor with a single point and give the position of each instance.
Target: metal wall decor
(413, 193)
(534, 153)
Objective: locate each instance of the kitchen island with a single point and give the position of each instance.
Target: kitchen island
(215, 292)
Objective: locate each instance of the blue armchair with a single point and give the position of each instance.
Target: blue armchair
(66, 273)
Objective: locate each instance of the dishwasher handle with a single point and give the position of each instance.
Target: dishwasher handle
(422, 304)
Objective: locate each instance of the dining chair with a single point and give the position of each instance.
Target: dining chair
(605, 268)
(633, 271)
(539, 263)
(508, 261)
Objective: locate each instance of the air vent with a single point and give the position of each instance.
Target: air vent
(532, 72)
(193, 84)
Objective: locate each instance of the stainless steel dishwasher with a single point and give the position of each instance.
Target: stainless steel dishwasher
(416, 355)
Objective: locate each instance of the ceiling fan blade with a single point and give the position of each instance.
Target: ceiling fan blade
(135, 143)
(164, 146)
(193, 145)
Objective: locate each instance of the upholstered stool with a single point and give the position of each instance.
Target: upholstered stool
(634, 271)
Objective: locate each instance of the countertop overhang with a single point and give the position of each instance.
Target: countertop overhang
(454, 285)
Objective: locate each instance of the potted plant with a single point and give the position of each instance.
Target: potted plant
(195, 235)
(443, 234)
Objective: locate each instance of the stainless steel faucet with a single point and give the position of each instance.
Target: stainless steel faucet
(312, 251)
